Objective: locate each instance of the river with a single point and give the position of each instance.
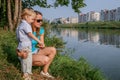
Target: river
(101, 48)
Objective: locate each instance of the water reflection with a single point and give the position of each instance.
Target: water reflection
(105, 37)
(110, 39)
(100, 47)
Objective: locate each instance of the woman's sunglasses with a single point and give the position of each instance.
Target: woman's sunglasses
(39, 20)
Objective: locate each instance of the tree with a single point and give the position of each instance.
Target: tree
(9, 15)
(76, 4)
(11, 9)
(3, 12)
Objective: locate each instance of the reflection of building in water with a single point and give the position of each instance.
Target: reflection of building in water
(82, 36)
(96, 37)
(110, 39)
(65, 32)
(69, 33)
(74, 33)
(93, 37)
(102, 38)
(88, 36)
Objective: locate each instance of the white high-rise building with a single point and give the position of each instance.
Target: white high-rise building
(82, 18)
(118, 14)
(72, 19)
(90, 16)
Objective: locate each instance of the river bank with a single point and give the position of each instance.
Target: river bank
(92, 25)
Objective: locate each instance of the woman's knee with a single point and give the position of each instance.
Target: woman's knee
(46, 60)
(53, 49)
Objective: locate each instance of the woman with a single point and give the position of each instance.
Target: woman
(42, 56)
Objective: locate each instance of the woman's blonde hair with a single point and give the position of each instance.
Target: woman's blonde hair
(27, 12)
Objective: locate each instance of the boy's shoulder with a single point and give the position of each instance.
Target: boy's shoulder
(24, 24)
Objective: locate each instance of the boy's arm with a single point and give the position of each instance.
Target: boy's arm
(35, 38)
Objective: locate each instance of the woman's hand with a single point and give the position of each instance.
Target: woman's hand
(41, 46)
(40, 43)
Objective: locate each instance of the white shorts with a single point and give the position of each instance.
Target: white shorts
(35, 51)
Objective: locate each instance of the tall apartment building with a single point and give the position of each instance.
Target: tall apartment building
(113, 15)
(118, 14)
(94, 16)
(104, 15)
(110, 15)
(90, 16)
(82, 18)
(72, 19)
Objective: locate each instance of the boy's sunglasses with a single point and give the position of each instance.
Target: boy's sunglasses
(39, 20)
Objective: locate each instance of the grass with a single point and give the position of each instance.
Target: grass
(8, 60)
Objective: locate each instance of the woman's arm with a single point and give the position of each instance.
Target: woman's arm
(42, 40)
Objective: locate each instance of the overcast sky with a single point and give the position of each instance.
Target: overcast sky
(92, 5)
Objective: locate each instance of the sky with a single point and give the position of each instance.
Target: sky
(92, 5)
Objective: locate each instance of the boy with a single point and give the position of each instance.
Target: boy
(24, 35)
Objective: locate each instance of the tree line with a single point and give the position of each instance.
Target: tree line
(10, 10)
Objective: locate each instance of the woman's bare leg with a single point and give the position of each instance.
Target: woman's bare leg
(39, 60)
(50, 52)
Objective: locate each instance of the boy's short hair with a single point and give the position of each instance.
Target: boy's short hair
(27, 11)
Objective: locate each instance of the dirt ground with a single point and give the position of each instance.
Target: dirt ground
(39, 77)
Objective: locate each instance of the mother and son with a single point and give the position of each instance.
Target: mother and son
(29, 34)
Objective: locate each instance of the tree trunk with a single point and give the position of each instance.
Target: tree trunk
(16, 13)
(19, 12)
(9, 15)
(0, 3)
